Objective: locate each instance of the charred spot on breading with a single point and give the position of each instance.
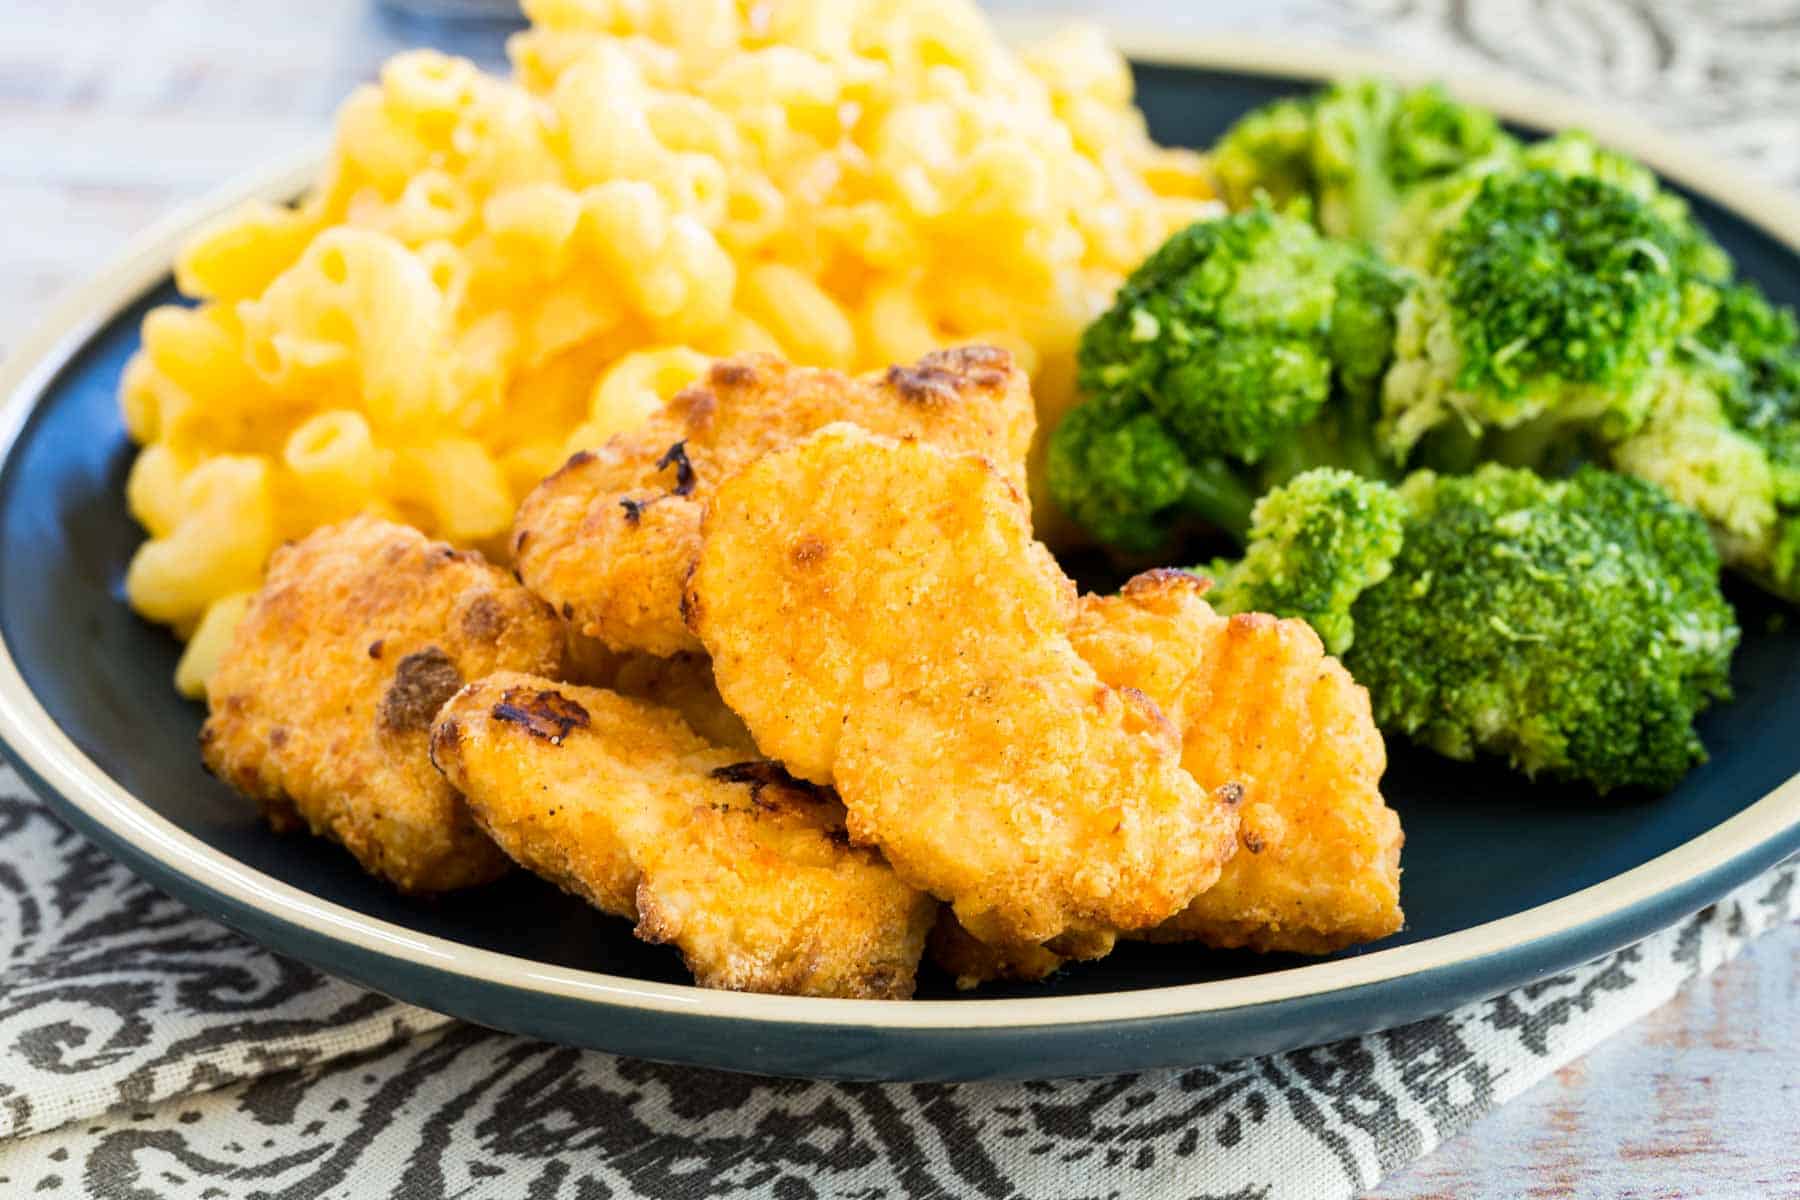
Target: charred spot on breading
(971, 359)
(1244, 624)
(1252, 841)
(1161, 579)
(924, 385)
(634, 511)
(445, 735)
(732, 373)
(422, 682)
(444, 554)
(690, 603)
(1231, 793)
(940, 377)
(762, 773)
(542, 713)
(677, 457)
(1141, 712)
(695, 407)
(484, 620)
(375, 647)
(278, 737)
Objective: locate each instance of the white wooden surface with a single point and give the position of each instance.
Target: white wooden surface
(113, 111)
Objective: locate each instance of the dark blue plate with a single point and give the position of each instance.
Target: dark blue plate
(1505, 881)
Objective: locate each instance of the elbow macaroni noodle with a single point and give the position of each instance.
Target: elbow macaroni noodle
(490, 274)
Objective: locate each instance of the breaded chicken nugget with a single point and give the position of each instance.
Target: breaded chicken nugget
(683, 682)
(321, 708)
(748, 873)
(972, 962)
(608, 539)
(1262, 708)
(881, 618)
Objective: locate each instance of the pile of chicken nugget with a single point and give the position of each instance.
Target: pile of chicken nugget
(784, 678)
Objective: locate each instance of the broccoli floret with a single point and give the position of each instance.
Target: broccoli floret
(1549, 298)
(1364, 316)
(1243, 351)
(1268, 155)
(1574, 154)
(1723, 436)
(1574, 626)
(1431, 209)
(1316, 544)
(1354, 151)
(1761, 392)
(1223, 330)
(1120, 475)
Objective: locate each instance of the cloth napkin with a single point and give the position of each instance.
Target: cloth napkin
(147, 1052)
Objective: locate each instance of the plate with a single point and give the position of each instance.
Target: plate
(1505, 882)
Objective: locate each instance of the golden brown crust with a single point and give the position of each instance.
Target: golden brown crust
(1261, 707)
(683, 682)
(608, 539)
(747, 872)
(880, 617)
(321, 708)
(971, 962)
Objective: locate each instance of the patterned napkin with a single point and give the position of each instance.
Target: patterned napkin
(148, 1052)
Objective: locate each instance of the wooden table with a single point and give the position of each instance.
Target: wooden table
(113, 111)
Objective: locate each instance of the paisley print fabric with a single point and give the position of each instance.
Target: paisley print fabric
(147, 1053)
(1719, 72)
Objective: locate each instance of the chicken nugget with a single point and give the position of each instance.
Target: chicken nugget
(608, 539)
(322, 707)
(1263, 709)
(683, 682)
(880, 617)
(747, 872)
(971, 962)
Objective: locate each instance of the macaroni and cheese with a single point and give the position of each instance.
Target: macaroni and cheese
(490, 274)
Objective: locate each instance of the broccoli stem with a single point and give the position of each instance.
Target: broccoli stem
(1216, 493)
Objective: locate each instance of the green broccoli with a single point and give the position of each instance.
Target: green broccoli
(1723, 436)
(1316, 544)
(1119, 474)
(1243, 351)
(1354, 151)
(1574, 154)
(1221, 310)
(1575, 626)
(1556, 280)
(1548, 300)
(1436, 206)
(1268, 155)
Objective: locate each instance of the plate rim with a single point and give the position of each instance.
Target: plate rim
(1692, 873)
